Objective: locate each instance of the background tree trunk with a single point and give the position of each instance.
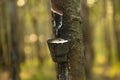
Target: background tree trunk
(88, 36)
(116, 21)
(15, 63)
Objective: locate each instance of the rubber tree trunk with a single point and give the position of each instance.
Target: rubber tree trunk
(14, 72)
(72, 30)
(116, 21)
(88, 38)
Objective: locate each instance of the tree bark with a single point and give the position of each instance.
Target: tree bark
(116, 20)
(72, 30)
(4, 33)
(15, 63)
(87, 35)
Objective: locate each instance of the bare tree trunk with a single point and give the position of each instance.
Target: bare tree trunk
(15, 41)
(72, 30)
(1, 53)
(37, 43)
(9, 37)
(116, 21)
(4, 33)
(87, 34)
(106, 33)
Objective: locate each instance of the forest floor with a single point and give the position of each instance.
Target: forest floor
(4, 75)
(106, 72)
(100, 72)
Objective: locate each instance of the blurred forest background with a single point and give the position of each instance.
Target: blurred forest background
(25, 25)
